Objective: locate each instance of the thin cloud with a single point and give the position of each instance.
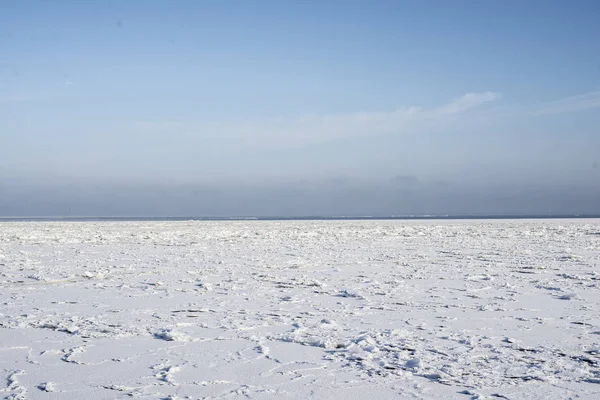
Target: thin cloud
(467, 102)
(283, 131)
(582, 102)
(311, 128)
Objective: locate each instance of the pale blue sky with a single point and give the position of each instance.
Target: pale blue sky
(299, 107)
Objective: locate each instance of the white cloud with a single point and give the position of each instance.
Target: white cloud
(580, 102)
(310, 128)
(458, 114)
(467, 102)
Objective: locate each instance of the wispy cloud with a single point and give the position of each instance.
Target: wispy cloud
(337, 126)
(467, 102)
(459, 113)
(582, 102)
(310, 128)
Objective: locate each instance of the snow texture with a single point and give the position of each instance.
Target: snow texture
(299, 309)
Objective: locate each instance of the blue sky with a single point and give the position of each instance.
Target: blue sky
(299, 107)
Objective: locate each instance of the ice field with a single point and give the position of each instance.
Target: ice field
(467, 309)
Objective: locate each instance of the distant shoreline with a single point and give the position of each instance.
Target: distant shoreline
(302, 218)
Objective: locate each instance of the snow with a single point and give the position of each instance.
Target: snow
(297, 309)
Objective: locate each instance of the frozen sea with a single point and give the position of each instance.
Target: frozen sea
(385, 309)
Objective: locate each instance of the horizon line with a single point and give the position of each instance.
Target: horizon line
(300, 217)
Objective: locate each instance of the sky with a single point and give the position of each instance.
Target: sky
(270, 107)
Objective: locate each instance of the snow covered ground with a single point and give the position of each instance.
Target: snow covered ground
(298, 309)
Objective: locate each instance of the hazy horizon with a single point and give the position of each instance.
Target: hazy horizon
(325, 198)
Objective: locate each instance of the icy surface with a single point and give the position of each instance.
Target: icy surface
(298, 309)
